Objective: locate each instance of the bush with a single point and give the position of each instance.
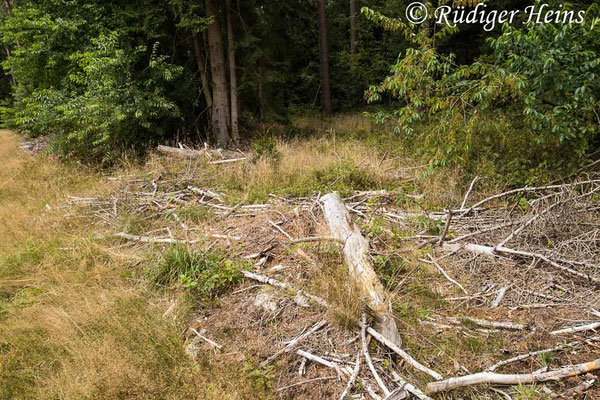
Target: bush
(88, 77)
(206, 274)
(532, 104)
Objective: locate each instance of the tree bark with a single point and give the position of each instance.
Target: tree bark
(220, 113)
(356, 255)
(325, 91)
(235, 133)
(200, 60)
(352, 32)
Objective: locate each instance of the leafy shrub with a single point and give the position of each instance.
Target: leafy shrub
(534, 103)
(89, 76)
(206, 274)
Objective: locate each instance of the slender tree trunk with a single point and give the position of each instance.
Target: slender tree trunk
(235, 133)
(352, 32)
(200, 60)
(220, 112)
(325, 91)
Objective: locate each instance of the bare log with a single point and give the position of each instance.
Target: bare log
(482, 378)
(356, 255)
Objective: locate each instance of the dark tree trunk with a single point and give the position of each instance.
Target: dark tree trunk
(325, 91)
(353, 31)
(201, 61)
(235, 133)
(220, 100)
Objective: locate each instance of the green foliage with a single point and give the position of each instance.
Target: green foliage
(532, 104)
(265, 147)
(87, 81)
(205, 274)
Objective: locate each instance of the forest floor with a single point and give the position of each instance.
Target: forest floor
(88, 313)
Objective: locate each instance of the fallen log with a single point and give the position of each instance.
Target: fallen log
(356, 255)
(482, 378)
(177, 152)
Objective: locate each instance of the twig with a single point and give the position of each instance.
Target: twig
(322, 361)
(283, 285)
(207, 340)
(405, 356)
(448, 222)
(498, 299)
(528, 355)
(281, 230)
(146, 239)
(352, 378)
(435, 263)
(322, 378)
(316, 239)
(464, 203)
(290, 346)
(490, 324)
(365, 349)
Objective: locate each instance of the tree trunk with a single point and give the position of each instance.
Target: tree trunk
(326, 91)
(203, 72)
(232, 75)
(220, 112)
(356, 255)
(352, 32)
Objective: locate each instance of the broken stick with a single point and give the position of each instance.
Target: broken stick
(482, 378)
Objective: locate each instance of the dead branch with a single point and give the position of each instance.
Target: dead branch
(574, 329)
(177, 152)
(352, 377)
(283, 285)
(529, 355)
(404, 355)
(290, 346)
(365, 350)
(437, 265)
(517, 379)
(207, 340)
(490, 324)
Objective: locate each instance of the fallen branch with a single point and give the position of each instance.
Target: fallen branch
(177, 152)
(352, 378)
(404, 355)
(207, 340)
(528, 355)
(365, 350)
(322, 361)
(490, 324)
(146, 239)
(437, 265)
(283, 285)
(517, 379)
(231, 160)
(290, 346)
(316, 239)
(574, 329)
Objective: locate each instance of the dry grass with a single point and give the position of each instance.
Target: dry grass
(75, 320)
